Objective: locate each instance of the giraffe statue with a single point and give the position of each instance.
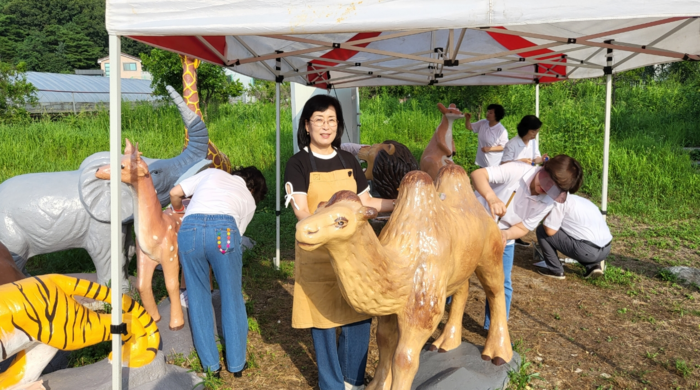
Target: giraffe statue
(191, 97)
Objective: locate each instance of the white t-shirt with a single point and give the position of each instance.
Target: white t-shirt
(515, 149)
(489, 136)
(525, 207)
(214, 191)
(351, 148)
(580, 219)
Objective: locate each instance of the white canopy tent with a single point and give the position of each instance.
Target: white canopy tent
(408, 42)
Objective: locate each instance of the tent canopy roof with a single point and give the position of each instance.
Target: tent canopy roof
(413, 42)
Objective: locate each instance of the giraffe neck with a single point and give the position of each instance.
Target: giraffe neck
(189, 88)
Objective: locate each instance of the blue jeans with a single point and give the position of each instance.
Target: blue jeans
(344, 360)
(508, 254)
(197, 243)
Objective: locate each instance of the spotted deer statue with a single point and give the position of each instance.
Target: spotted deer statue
(441, 147)
(191, 96)
(156, 235)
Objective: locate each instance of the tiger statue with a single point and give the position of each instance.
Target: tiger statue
(38, 316)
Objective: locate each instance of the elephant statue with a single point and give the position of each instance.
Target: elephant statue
(54, 211)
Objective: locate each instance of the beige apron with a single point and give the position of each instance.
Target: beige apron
(318, 302)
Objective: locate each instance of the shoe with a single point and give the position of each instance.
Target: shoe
(348, 386)
(216, 374)
(239, 374)
(183, 299)
(551, 274)
(594, 273)
(521, 242)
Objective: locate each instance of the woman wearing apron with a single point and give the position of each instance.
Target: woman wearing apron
(313, 175)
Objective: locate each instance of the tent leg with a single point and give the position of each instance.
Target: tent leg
(277, 178)
(115, 145)
(606, 144)
(537, 101)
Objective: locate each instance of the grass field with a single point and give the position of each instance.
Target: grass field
(654, 200)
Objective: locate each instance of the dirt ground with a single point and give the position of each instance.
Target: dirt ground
(634, 331)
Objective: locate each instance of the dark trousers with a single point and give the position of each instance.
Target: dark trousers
(582, 251)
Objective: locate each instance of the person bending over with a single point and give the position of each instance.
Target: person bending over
(524, 146)
(221, 208)
(491, 134)
(522, 195)
(577, 229)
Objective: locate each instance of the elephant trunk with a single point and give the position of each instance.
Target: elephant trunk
(166, 172)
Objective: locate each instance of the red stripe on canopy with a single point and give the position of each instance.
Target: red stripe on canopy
(189, 45)
(337, 54)
(514, 42)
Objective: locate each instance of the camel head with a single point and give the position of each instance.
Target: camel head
(337, 219)
(132, 165)
(369, 153)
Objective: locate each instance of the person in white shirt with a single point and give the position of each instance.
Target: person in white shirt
(524, 147)
(221, 208)
(353, 148)
(522, 195)
(577, 229)
(492, 136)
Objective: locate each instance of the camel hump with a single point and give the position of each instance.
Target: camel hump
(451, 170)
(341, 196)
(416, 178)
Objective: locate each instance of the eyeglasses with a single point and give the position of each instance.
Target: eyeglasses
(318, 122)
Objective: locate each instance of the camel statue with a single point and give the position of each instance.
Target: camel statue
(441, 147)
(427, 252)
(156, 235)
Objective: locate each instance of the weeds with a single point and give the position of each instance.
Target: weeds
(89, 355)
(683, 368)
(521, 378)
(667, 276)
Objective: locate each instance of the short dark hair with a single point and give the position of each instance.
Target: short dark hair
(254, 180)
(565, 171)
(498, 110)
(319, 103)
(529, 122)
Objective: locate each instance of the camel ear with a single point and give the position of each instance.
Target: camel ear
(391, 150)
(129, 149)
(321, 205)
(367, 213)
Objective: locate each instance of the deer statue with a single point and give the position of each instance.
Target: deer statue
(156, 235)
(441, 147)
(427, 252)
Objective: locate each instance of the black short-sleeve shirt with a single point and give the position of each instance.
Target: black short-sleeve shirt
(299, 167)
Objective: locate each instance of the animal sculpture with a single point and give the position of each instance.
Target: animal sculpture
(51, 212)
(427, 252)
(156, 235)
(39, 316)
(441, 147)
(8, 269)
(191, 96)
(387, 164)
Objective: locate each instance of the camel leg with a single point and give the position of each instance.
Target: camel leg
(387, 338)
(490, 274)
(412, 337)
(144, 282)
(451, 336)
(170, 271)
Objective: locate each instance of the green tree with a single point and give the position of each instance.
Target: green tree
(212, 83)
(15, 92)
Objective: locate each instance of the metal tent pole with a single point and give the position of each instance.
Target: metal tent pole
(537, 101)
(606, 143)
(277, 176)
(115, 145)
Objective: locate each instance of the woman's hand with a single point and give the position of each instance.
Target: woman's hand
(527, 161)
(498, 208)
(504, 237)
(540, 160)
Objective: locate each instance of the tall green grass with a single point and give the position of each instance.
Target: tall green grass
(651, 178)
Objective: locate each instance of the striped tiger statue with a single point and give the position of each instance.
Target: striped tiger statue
(38, 316)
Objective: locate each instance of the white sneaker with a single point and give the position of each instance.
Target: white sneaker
(354, 387)
(183, 299)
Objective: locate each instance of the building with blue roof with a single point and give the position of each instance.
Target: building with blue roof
(75, 93)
